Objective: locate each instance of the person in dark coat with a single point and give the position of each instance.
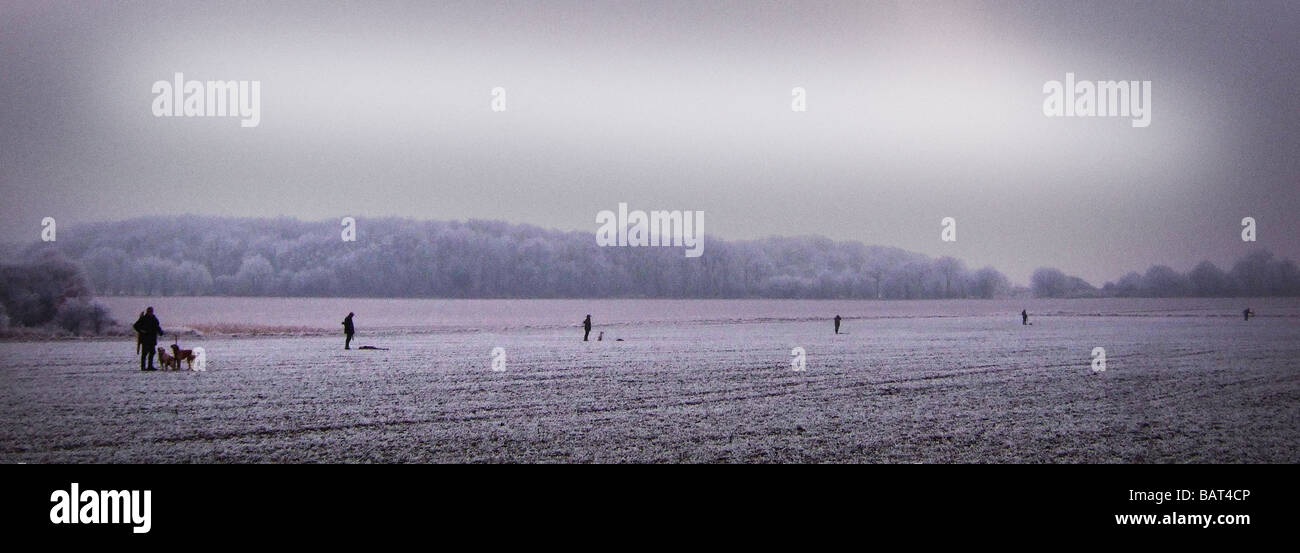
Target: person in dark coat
(837, 324)
(148, 329)
(1247, 314)
(586, 327)
(1024, 317)
(348, 331)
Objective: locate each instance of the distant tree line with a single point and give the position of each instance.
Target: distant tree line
(487, 259)
(1258, 273)
(490, 259)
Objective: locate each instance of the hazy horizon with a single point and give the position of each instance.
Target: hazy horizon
(916, 111)
(190, 255)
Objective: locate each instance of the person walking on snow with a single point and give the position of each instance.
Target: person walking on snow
(348, 331)
(147, 329)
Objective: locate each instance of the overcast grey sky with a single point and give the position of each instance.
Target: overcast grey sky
(916, 111)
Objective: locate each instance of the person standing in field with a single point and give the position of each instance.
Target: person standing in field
(1024, 317)
(837, 324)
(147, 329)
(1247, 314)
(348, 331)
(586, 327)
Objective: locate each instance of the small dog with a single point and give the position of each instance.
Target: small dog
(167, 360)
(186, 355)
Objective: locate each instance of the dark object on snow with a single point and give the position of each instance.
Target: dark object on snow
(1247, 314)
(837, 324)
(373, 347)
(1024, 317)
(586, 327)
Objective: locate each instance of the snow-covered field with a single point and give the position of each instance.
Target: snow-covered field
(1184, 383)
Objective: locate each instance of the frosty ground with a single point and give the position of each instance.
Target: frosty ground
(897, 390)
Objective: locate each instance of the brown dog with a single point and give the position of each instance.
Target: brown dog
(186, 355)
(167, 360)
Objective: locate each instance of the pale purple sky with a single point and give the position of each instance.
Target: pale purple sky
(916, 111)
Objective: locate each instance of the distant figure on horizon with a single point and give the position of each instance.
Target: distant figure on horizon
(348, 331)
(148, 329)
(837, 324)
(586, 327)
(1024, 317)
(1247, 314)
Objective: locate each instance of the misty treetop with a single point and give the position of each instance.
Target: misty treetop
(49, 291)
(1257, 273)
(487, 259)
(391, 257)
